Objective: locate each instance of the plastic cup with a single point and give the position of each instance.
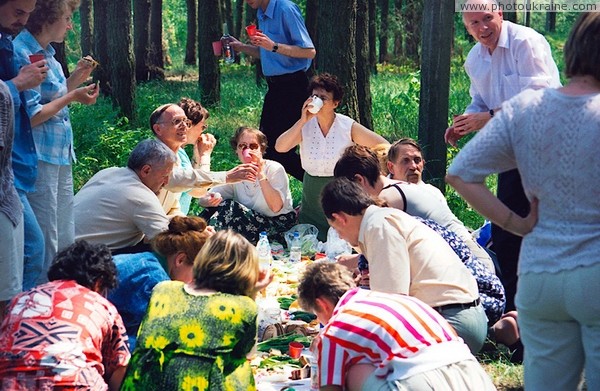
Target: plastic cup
(217, 48)
(35, 57)
(251, 30)
(315, 105)
(295, 349)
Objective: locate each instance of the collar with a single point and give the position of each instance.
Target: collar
(503, 41)
(269, 12)
(32, 43)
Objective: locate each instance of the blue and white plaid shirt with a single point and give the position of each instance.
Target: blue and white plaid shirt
(54, 137)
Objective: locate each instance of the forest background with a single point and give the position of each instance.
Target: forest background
(399, 60)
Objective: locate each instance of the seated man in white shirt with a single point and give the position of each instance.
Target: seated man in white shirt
(119, 206)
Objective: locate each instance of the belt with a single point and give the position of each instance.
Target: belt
(474, 303)
(286, 77)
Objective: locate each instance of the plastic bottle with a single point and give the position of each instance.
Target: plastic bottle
(296, 248)
(264, 251)
(228, 53)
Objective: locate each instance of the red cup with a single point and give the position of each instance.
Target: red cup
(295, 349)
(36, 57)
(251, 30)
(217, 48)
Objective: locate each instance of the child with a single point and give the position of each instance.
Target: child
(197, 335)
(373, 340)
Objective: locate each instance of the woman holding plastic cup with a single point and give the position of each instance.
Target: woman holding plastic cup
(252, 207)
(47, 106)
(322, 135)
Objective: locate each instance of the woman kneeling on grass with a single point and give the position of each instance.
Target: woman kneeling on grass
(381, 341)
(197, 335)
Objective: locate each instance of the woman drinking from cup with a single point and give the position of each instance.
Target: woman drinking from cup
(252, 207)
(322, 135)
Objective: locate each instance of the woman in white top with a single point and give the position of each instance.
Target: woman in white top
(322, 136)
(252, 207)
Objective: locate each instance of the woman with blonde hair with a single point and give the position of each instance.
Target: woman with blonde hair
(197, 335)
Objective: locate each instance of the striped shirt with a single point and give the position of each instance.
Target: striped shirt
(400, 335)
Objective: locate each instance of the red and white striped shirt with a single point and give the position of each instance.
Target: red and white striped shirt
(400, 335)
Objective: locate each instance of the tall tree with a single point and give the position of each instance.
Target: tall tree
(102, 73)
(373, 36)
(141, 42)
(87, 28)
(192, 31)
(384, 6)
(238, 18)
(338, 50)
(435, 86)
(61, 56)
(228, 15)
(413, 19)
(551, 20)
(398, 36)
(363, 71)
(208, 70)
(311, 22)
(121, 55)
(156, 57)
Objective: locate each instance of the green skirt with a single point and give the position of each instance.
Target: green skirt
(310, 209)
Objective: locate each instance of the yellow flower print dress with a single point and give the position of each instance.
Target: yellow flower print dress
(188, 342)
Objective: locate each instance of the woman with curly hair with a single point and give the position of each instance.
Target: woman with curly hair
(197, 335)
(65, 334)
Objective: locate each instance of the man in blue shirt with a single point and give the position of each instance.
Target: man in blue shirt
(286, 51)
(13, 16)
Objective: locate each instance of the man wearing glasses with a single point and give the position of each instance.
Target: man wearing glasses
(170, 126)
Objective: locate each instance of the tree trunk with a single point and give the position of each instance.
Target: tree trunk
(141, 42)
(435, 86)
(510, 16)
(208, 70)
(228, 15)
(373, 36)
(337, 47)
(156, 60)
(527, 13)
(551, 20)
(398, 36)
(192, 31)
(121, 56)
(312, 15)
(102, 72)
(237, 19)
(61, 56)
(384, 5)
(413, 19)
(87, 28)
(363, 72)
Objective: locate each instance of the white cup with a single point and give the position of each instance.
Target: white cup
(315, 105)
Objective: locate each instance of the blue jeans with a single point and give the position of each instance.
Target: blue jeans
(33, 261)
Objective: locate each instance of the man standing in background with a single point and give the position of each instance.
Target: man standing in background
(13, 17)
(286, 51)
(507, 59)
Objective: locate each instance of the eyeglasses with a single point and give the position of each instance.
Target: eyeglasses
(252, 146)
(178, 121)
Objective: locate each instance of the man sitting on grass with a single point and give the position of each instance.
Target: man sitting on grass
(374, 341)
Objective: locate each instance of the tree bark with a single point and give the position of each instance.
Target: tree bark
(384, 6)
(435, 87)
(312, 14)
(192, 31)
(237, 19)
(551, 20)
(398, 36)
(87, 28)
(102, 72)
(208, 69)
(156, 59)
(373, 36)
(61, 56)
(338, 50)
(121, 57)
(141, 42)
(363, 71)
(413, 19)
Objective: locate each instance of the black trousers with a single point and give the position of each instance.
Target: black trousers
(281, 109)
(506, 245)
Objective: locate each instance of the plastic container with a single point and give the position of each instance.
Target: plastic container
(228, 53)
(296, 248)
(263, 247)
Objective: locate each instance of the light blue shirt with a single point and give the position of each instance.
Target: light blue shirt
(54, 137)
(283, 23)
(186, 199)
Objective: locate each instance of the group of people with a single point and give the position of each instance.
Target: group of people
(120, 267)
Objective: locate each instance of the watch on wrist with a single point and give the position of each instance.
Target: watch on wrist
(275, 48)
(492, 113)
